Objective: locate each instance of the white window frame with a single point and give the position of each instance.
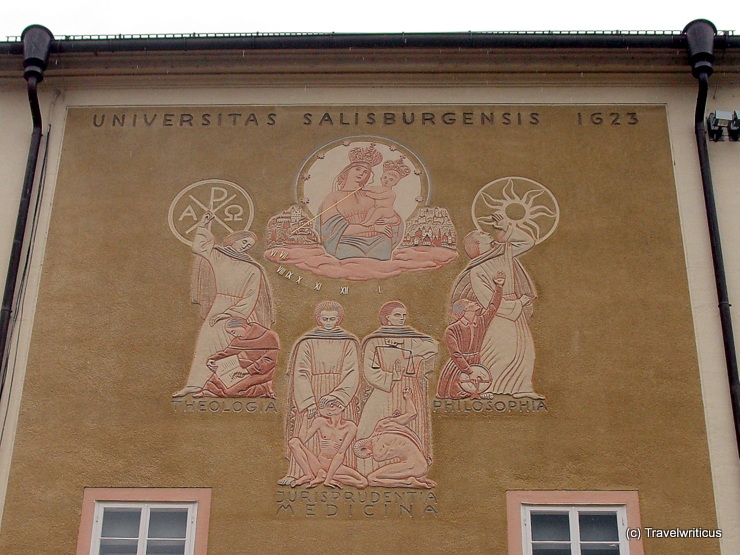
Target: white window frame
(521, 503)
(145, 508)
(95, 500)
(573, 511)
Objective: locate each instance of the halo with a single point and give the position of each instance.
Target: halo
(316, 175)
(521, 202)
(226, 218)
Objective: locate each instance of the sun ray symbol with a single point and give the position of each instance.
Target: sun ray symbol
(519, 202)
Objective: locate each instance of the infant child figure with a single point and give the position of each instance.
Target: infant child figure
(383, 195)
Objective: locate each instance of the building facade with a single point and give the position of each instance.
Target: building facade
(369, 294)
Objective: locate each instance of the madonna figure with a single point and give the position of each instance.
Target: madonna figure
(344, 230)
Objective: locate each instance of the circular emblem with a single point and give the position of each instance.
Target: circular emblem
(477, 381)
(520, 202)
(232, 208)
(319, 173)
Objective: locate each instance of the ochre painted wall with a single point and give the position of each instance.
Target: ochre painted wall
(115, 331)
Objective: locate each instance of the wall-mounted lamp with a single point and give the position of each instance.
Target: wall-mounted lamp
(720, 120)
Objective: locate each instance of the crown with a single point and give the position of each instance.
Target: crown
(397, 166)
(365, 156)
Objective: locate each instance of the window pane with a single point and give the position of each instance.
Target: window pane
(603, 549)
(550, 526)
(550, 549)
(598, 527)
(165, 547)
(118, 547)
(168, 523)
(121, 523)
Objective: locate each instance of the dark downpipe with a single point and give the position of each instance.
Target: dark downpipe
(36, 45)
(700, 38)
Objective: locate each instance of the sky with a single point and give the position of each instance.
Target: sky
(87, 17)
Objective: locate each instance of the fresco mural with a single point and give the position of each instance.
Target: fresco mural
(359, 414)
(362, 212)
(236, 352)
(397, 361)
(324, 371)
(396, 450)
(490, 342)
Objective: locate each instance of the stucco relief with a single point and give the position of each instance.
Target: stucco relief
(362, 212)
(358, 412)
(489, 338)
(395, 428)
(236, 351)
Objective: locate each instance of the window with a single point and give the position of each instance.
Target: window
(143, 528)
(572, 522)
(144, 521)
(579, 530)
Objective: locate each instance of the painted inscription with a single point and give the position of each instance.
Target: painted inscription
(224, 406)
(369, 503)
(492, 116)
(348, 223)
(499, 404)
